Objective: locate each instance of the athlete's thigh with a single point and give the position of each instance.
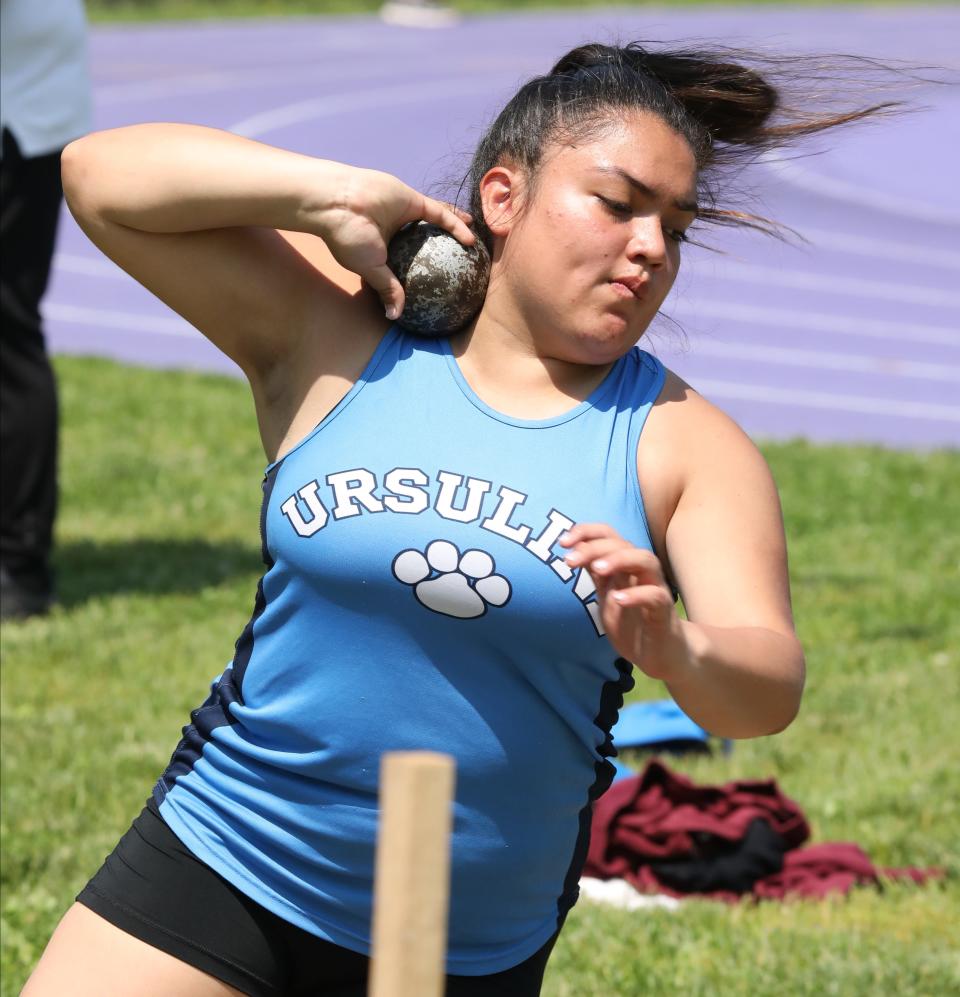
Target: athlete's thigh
(87, 956)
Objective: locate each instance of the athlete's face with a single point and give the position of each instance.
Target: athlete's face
(614, 208)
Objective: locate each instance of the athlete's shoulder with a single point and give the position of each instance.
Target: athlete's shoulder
(688, 440)
(685, 416)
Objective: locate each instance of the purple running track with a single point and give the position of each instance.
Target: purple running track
(853, 337)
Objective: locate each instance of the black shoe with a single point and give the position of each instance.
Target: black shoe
(20, 600)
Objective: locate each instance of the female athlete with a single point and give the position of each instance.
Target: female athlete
(469, 541)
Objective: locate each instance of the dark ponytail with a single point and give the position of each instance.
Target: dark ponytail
(730, 102)
(730, 105)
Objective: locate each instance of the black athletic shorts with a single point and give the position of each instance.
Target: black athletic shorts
(152, 887)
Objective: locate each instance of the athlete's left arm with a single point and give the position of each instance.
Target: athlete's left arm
(735, 665)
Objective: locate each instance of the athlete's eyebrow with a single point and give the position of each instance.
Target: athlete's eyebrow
(690, 207)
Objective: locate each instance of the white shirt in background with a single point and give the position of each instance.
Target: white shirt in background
(45, 97)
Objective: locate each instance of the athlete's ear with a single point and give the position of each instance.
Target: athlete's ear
(502, 193)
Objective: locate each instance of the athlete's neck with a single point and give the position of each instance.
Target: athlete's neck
(502, 364)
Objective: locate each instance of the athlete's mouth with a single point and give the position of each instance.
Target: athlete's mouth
(627, 292)
(633, 285)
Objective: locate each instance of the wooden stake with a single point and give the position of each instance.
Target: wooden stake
(412, 879)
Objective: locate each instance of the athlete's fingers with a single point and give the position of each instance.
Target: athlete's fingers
(449, 217)
(624, 567)
(390, 290)
(651, 599)
(465, 216)
(587, 551)
(630, 560)
(587, 531)
(593, 552)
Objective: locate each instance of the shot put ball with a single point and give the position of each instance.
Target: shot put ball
(444, 281)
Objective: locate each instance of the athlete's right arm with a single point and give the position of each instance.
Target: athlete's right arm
(193, 214)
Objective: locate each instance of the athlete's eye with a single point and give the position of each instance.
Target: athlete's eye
(676, 235)
(616, 207)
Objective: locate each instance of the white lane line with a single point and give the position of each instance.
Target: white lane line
(131, 321)
(906, 332)
(858, 245)
(265, 75)
(805, 280)
(111, 319)
(788, 357)
(828, 400)
(232, 80)
(175, 86)
(855, 193)
(379, 97)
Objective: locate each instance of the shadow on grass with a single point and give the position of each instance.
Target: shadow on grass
(88, 570)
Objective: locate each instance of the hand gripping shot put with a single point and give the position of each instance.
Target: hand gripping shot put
(444, 281)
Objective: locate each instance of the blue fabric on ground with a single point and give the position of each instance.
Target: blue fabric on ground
(623, 770)
(643, 724)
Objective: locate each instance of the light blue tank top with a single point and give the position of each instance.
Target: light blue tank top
(416, 598)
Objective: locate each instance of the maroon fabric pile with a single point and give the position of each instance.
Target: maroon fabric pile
(659, 828)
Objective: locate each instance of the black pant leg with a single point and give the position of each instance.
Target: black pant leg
(30, 196)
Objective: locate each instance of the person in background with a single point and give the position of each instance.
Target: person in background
(45, 102)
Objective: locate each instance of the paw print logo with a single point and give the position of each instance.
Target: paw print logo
(450, 583)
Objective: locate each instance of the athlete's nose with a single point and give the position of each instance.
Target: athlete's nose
(648, 242)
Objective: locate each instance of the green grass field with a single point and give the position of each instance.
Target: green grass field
(158, 553)
(152, 10)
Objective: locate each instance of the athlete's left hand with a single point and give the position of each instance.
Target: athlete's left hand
(636, 604)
